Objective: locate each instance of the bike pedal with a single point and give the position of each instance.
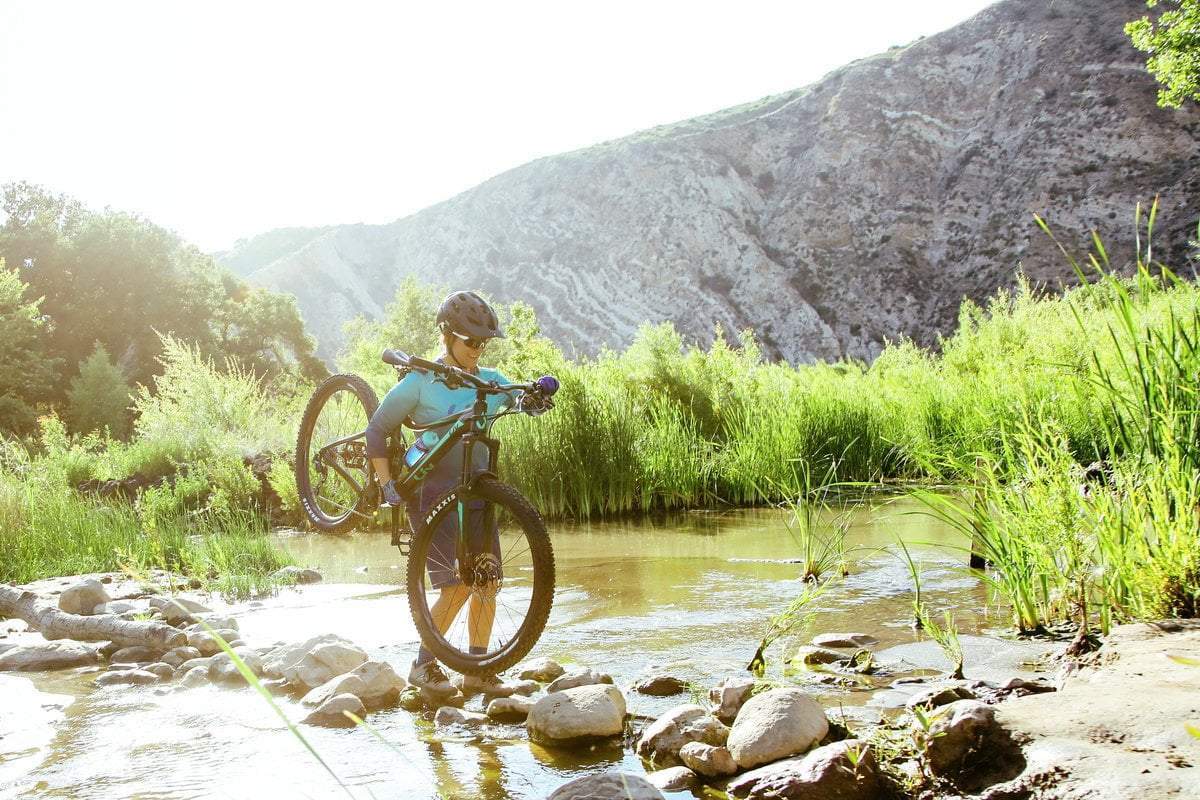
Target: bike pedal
(402, 539)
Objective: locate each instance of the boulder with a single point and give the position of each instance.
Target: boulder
(579, 677)
(937, 696)
(846, 641)
(729, 696)
(83, 597)
(134, 677)
(135, 655)
(192, 678)
(607, 786)
(381, 684)
(204, 642)
(330, 713)
(510, 709)
(323, 662)
(707, 760)
(297, 575)
(342, 684)
(52, 655)
(165, 672)
(776, 724)
(662, 739)
(449, 715)
(959, 733)
(221, 668)
(276, 686)
(193, 664)
(542, 670)
(578, 714)
(661, 686)
(844, 770)
(286, 658)
(178, 655)
(673, 779)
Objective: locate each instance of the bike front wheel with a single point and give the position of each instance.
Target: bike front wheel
(483, 614)
(332, 470)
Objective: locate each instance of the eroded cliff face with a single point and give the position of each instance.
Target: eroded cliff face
(860, 208)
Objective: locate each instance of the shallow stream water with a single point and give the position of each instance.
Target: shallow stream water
(689, 594)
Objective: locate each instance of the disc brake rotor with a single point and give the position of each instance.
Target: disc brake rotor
(486, 576)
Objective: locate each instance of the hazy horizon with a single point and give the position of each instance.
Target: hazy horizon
(202, 122)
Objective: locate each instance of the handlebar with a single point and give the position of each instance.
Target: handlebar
(544, 386)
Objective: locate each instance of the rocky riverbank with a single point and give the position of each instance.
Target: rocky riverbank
(1108, 725)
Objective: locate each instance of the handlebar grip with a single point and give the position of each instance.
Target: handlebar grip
(397, 358)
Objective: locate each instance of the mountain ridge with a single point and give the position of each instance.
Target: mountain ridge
(829, 218)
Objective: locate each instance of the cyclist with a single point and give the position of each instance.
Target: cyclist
(467, 323)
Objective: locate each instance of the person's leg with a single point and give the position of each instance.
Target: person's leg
(480, 616)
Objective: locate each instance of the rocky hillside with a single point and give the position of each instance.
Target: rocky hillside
(862, 207)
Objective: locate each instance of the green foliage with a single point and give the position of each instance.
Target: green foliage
(1173, 44)
(26, 372)
(99, 397)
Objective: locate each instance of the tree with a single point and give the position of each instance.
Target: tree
(99, 397)
(26, 372)
(1173, 42)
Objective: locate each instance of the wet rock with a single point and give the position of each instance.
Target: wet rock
(662, 739)
(449, 715)
(287, 657)
(324, 662)
(106, 652)
(729, 696)
(330, 713)
(578, 714)
(816, 656)
(179, 655)
(165, 672)
(707, 760)
(221, 668)
(52, 655)
(844, 770)
(276, 686)
(381, 684)
(83, 597)
(342, 684)
(673, 779)
(204, 642)
(958, 736)
(136, 654)
(510, 709)
(416, 699)
(178, 609)
(297, 574)
(193, 664)
(776, 724)
(937, 696)
(661, 686)
(131, 677)
(542, 670)
(847, 641)
(579, 677)
(193, 678)
(525, 687)
(607, 786)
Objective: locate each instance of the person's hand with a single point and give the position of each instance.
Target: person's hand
(391, 497)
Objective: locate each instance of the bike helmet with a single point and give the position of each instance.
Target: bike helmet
(469, 314)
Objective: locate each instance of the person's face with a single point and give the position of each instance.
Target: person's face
(466, 355)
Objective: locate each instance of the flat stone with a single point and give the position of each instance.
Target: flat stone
(673, 779)
(827, 773)
(133, 677)
(542, 670)
(847, 641)
(449, 715)
(661, 686)
(52, 655)
(580, 677)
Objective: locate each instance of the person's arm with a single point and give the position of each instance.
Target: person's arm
(397, 406)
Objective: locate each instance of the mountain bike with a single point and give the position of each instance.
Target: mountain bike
(502, 552)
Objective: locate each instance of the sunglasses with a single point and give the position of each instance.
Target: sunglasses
(471, 341)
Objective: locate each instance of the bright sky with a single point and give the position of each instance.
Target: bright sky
(221, 120)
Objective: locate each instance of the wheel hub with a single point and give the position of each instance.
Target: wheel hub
(486, 577)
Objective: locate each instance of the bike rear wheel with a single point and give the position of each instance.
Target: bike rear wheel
(333, 480)
(508, 578)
